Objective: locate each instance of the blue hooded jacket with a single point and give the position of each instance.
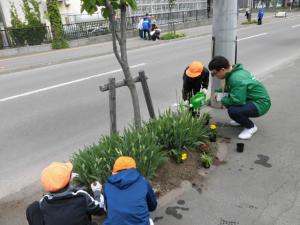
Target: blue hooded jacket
(129, 198)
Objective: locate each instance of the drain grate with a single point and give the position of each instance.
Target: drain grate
(226, 222)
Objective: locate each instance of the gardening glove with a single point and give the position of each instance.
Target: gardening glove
(96, 186)
(204, 90)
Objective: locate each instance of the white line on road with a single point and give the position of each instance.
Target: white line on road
(296, 26)
(66, 83)
(258, 35)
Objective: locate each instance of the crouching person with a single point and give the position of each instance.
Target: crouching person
(64, 204)
(128, 196)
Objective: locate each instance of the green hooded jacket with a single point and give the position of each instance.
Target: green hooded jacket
(242, 87)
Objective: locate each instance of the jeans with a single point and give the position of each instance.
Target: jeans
(241, 114)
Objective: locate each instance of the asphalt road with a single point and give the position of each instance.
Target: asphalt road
(48, 113)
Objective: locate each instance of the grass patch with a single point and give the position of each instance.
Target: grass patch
(248, 23)
(171, 35)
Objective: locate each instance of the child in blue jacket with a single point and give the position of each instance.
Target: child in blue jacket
(128, 195)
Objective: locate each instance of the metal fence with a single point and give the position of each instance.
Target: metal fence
(100, 27)
(10, 38)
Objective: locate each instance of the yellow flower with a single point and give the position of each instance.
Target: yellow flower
(183, 156)
(213, 127)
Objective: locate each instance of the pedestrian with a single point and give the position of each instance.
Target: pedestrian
(247, 14)
(146, 28)
(260, 16)
(64, 204)
(128, 195)
(140, 28)
(247, 97)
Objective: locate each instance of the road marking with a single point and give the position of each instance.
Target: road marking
(66, 83)
(296, 26)
(258, 35)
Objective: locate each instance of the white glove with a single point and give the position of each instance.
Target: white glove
(204, 90)
(96, 186)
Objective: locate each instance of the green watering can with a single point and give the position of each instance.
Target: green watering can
(198, 100)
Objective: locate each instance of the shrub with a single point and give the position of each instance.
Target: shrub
(247, 22)
(178, 130)
(96, 162)
(172, 131)
(172, 35)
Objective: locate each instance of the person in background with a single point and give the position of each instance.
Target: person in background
(140, 28)
(146, 28)
(260, 16)
(247, 97)
(64, 204)
(128, 195)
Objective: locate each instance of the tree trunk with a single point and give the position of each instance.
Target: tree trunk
(122, 59)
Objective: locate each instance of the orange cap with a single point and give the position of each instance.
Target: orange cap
(56, 176)
(195, 69)
(123, 163)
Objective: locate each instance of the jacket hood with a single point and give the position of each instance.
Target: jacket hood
(235, 68)
(124, 179)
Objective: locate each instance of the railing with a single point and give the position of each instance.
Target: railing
(100, 27)
(10, 37)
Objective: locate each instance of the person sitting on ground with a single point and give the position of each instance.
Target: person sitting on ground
(155, 32)
(247, 97)
(128, 195)
(195, 77)
(64, 204)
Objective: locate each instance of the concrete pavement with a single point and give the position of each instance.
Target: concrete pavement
(260, 186)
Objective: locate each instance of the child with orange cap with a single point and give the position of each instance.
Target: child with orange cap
(128, 195)
(195, 78)
(64, 205)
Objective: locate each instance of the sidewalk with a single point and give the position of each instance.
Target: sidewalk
(258, 187)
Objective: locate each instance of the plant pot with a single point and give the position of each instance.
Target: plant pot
(240, 147)
(212, 138)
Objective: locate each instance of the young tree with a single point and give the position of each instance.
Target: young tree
(109, 9)
(56, 25)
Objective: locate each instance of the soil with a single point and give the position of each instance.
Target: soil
(171, 174)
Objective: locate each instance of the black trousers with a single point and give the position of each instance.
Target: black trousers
(241, 114)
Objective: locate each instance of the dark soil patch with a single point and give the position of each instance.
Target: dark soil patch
(170, 174)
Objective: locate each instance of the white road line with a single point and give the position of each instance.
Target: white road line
(258, 35)
(296, 26)
(66, 83)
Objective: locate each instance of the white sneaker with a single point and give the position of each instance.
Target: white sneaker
(247, 133)
(234, 123)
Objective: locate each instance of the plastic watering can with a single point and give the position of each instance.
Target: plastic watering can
(198, 100)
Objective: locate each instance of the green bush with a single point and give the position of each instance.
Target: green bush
(172, 35)
(179, 130)
(96, 162)
(172, 131)
(1, 41)
(247, 22)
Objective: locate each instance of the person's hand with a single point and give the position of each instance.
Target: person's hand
(204, 90)
(96, 186)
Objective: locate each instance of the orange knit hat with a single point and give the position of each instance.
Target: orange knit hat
(195, 69)
(56, 176)
(123, 163)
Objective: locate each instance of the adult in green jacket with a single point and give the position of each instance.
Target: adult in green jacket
(247, 97)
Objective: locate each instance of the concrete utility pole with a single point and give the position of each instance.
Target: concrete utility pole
(224, 33)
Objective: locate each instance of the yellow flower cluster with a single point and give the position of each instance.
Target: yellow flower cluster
(183, 156)
(213, 127)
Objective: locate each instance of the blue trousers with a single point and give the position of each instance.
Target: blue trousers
(241, 114)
